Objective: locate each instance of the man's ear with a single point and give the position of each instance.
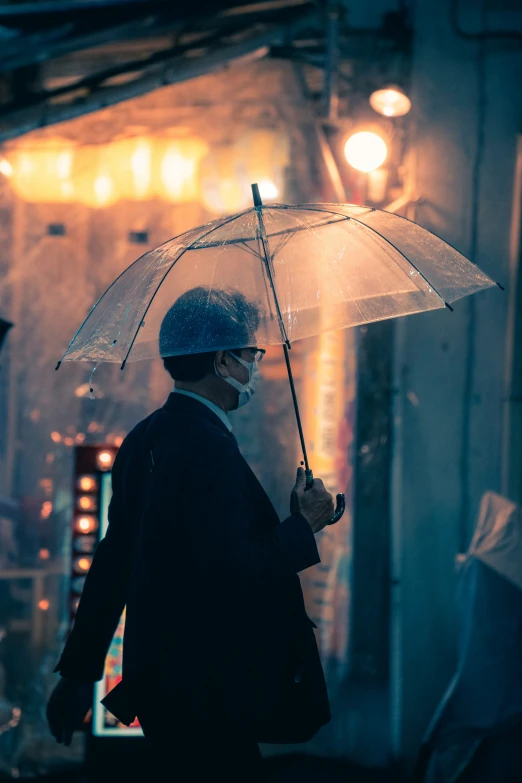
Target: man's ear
(222, 363)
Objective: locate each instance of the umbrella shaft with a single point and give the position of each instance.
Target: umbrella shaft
(296, 405)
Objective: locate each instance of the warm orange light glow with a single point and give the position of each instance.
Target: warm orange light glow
(46, 510)
(222, 191)
(43, 604)
(79, 437)
(86, 503)
(131, 167)
(56, 437)
(365, 151)
(87, 483)
(105, 459)
(226, 174)
(178, 165)
(103, 188)
(47, 485)
(82, 564)
(166, 166)
(5, 168)
(74, 605)
(268, 190)
(95, 171)
(140, 163)
(44, 554)
(391, 101)
(41, 172)
(263, 155)
(118, 440)
(68, 441)
(86, 524)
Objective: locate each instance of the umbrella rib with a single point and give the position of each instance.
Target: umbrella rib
(360, 223)
(266, 250)
(95, 305)
(403, 217)
(242, 240)
(407, 261)
(249, 250)
(282, 242)
(224, 223)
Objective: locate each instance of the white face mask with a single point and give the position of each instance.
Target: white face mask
(246, 390)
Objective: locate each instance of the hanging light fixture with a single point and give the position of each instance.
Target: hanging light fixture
(390, 101)
(365, 151)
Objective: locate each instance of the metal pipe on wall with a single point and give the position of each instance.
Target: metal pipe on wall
(512, 420)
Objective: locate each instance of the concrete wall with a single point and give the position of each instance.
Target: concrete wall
(449, 367)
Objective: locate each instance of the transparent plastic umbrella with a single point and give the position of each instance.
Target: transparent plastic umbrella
(304, 269)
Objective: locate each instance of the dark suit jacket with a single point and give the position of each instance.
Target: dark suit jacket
(207, 572)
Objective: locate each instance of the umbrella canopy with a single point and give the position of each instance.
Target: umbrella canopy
(271, 275)
(288, 272)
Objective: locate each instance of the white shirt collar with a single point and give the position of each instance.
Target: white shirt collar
(210, 405)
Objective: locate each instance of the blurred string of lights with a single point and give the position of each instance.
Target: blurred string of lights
(177, 169)
(91, 463)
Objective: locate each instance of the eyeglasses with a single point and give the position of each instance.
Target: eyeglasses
(258, 352)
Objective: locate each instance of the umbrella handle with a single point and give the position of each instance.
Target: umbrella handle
(340, 499)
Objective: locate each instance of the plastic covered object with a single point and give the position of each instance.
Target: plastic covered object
(269, 275)
(498, 537)
(485, 696)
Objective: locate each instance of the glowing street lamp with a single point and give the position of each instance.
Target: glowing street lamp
(365, 151)
(390, 101)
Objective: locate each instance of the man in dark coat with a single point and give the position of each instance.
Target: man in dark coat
(219, 653)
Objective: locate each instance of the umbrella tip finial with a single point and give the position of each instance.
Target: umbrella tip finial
(58, 365)
(256, 195)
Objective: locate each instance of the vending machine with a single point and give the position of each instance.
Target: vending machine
(92, 495)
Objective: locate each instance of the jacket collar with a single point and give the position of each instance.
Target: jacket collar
(183, 405)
